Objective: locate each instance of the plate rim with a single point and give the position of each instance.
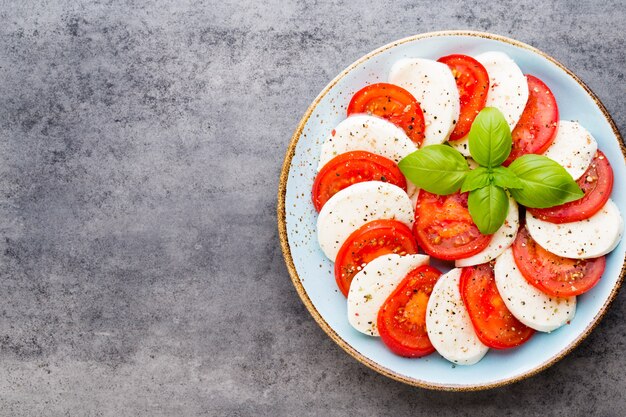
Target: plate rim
(295, 278)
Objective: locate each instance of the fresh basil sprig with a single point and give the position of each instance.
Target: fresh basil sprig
(533, 180)
(544, 181)
(438, 169)
(490, 138)
(488, 207)
(475, 179)
(505, 178)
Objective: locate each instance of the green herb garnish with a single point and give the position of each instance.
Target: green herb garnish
(532, 180)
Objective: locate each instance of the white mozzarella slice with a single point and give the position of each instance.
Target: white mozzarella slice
(448, 323)
(501, 240)
(413, 197)
(461, 145)
(573, 148)
(433, 86)
(372, 285)
(412, 191)
(589, 238)
(508, 88)
(363, 132)
(356, 205)
(529, 305)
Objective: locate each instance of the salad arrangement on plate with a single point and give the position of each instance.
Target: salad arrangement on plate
(463, 159)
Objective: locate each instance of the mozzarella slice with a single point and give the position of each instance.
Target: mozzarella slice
(356, 205)
(529, 305)
(589, 238)
(433, 86)
(413, 197)
(448, 324)
(573, 148)
(508, 88)
(501, 240)
(461, 145)
(374, 284)
(363, 132)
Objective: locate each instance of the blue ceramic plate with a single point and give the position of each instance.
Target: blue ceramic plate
(312, 273)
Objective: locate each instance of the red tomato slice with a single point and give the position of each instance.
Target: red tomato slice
(393, 103)
(444, 228)
(402, 318)
(373, 239)
(495, 326)
(536, 128)
(472, 82)
(349, 168)
(553, 274)
(596, 183)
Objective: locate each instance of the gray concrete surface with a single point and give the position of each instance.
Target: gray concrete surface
(141, 142)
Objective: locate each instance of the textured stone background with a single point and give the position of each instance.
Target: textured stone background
(141, 142)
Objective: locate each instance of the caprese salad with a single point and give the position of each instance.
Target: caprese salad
(463, 159)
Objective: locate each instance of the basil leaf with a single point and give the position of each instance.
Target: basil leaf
(438, 169)
(476, 178)
(545, 183)
(490, 138)
(505, 178)
(488, 207)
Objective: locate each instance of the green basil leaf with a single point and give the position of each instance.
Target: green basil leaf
(545, 183)
(476, 178)
(505, 178)
(490, 138)
(488, 207)
(438, 169)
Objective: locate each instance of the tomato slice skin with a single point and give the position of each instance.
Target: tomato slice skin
(393, 103)
(444, 228)
(472, 82)
(350, 168)
(537, 126)
(402, 318)
(596, 183)
(494, 324)
(373, 239)
(553, 274)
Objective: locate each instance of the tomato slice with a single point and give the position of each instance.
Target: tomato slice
(553, 274)
(537, 126)
(373, 239)
(402, 318)
(495, 326)
(349, 168)
(596, 183)
(472, 82)
(444, 228)
(393, 103)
